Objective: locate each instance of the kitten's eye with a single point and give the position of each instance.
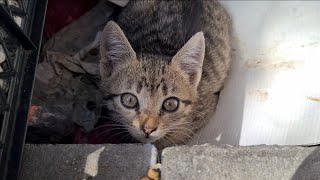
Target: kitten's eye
(171, 104)
(129, 100)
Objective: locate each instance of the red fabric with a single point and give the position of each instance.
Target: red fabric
(32, 112)
(62, 12)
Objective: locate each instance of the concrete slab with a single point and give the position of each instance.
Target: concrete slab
(81, 161)
(259, 162)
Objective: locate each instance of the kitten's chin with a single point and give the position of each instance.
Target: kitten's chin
(143, 139)
(146, 140)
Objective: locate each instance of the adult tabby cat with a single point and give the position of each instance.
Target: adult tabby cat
(162, 66)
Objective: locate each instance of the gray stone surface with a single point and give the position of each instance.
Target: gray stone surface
(259, 162)
(112, 162)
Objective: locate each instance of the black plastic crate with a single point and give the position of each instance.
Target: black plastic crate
(21, 26)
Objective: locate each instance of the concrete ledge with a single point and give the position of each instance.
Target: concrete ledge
(112, 162)
(259, 162)
(117, 162)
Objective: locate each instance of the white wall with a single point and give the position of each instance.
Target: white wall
(272, 95)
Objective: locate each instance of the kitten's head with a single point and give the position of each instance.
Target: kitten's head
(151, 95)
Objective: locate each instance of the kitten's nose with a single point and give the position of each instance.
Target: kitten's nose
(149, 130)
(149, 125)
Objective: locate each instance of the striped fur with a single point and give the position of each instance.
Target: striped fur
(159, 49)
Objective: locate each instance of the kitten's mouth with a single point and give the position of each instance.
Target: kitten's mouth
(149, 138)
(145, 138)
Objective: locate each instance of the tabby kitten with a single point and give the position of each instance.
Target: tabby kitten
(162, 66)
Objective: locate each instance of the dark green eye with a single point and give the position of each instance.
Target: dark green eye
(129, 100)
(170, 104)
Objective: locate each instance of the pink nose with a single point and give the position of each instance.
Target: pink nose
(149, 130)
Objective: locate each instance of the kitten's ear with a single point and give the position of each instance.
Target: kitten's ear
(115, 49)
(190, 58)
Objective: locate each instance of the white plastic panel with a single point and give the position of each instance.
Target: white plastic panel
(272, 95)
